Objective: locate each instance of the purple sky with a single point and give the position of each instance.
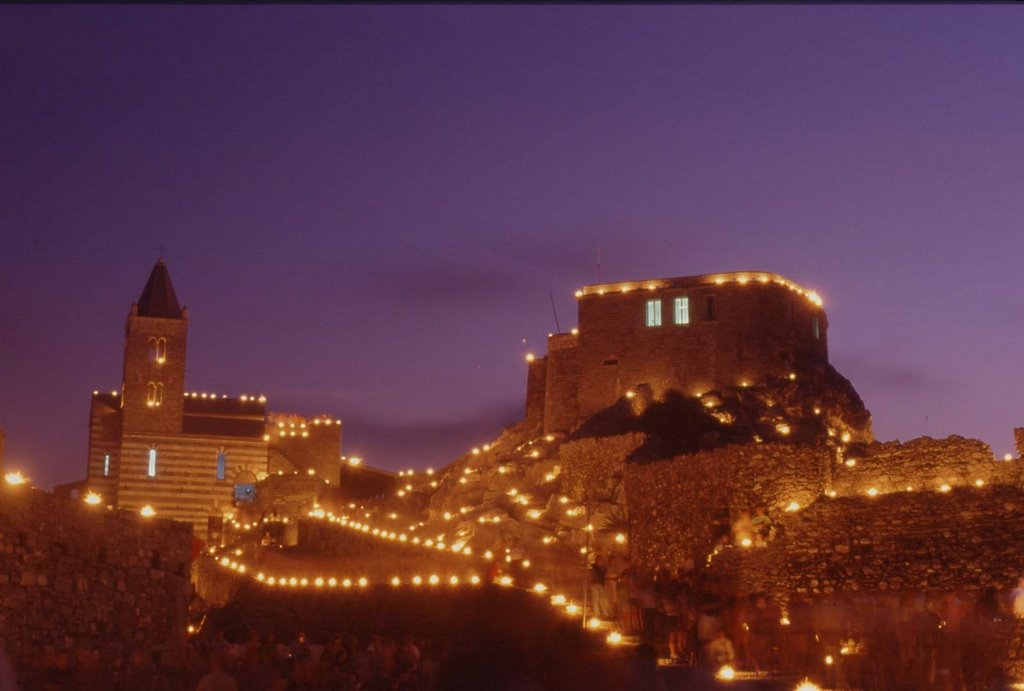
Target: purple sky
(364, 207)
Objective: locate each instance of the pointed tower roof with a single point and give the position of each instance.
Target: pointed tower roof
(158, 298)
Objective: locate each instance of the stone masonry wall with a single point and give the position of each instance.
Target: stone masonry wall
(561, 383)
(679, 507)
(922, 463)
(536, 379)
(757, 332)
(967, 538)
(85, 573)
(596, 466)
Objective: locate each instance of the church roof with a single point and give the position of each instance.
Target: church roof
(158, 298)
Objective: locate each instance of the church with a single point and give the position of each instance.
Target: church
(191, 456)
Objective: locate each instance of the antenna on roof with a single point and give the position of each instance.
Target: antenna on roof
(558, 329)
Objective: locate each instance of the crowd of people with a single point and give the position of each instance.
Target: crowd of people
(261, 663)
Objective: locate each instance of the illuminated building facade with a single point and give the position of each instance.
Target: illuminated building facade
(190, 455)
(692, 334)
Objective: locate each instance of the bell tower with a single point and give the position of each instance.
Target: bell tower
(153, 385)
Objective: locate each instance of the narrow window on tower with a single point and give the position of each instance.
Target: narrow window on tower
(682, 311)
(222, 463)
(709, 308)
(157, 349)
(151, 470)
(654, 313)
(106, 465)
(154, 394)
(817, 328)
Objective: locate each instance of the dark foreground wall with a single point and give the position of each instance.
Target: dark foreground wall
(75, 575)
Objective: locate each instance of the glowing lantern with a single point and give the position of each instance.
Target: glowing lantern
(92, 498)
(15, 478)
(593, 622)
(872, 492)
(726, 673)
(147, 511)
(614, 638)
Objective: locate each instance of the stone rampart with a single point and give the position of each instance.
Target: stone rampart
(679, 508)
(81, 574)
(966, 538)
(922, 463)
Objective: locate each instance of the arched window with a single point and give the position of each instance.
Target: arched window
(222, 463)
(151, 470)
(154, 394)
(158, 349)
(106, 465)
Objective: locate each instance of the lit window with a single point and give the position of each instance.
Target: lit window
(682, 311)
(154, 394)
(709, 308)
(222, 463)
(654, 313)
(151, 471)
(158, 349)
(106, 465)
(817, 328)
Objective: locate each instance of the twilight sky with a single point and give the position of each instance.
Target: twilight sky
(364, 207)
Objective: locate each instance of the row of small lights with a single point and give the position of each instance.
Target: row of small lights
(245, 398)
(872, 492)
(742, 279)
(560, 601)
(90, 497)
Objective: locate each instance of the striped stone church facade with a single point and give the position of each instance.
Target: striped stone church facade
(190, 455)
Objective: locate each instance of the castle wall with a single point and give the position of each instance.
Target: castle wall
(921, 464)
(320, 450)
(186, 487)
(561, 384)
(758, 330)
(679, 507)
(966, 538)
(536, 382)
(98, 577)
(594, 467)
